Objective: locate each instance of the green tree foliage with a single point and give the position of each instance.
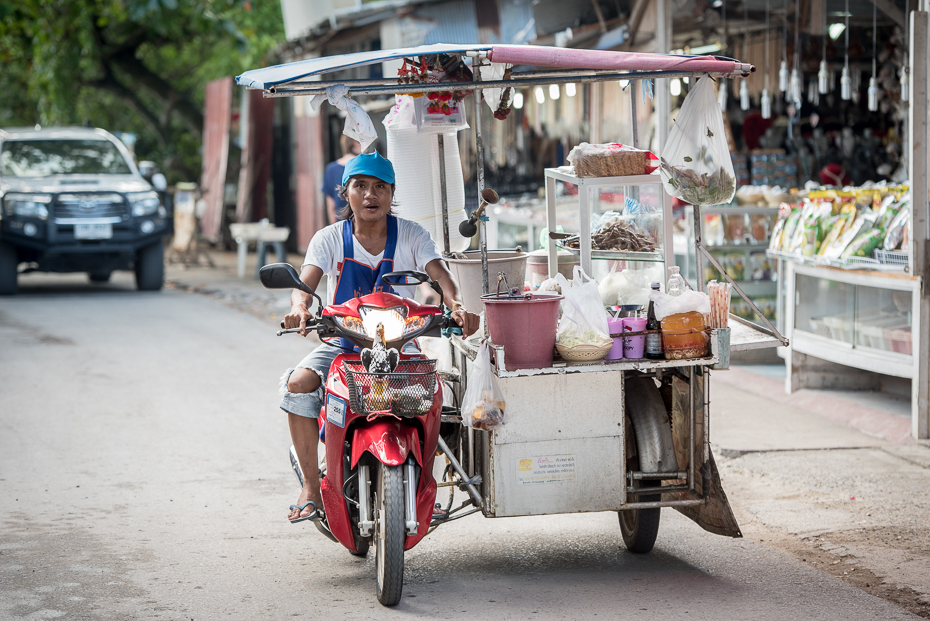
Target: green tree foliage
(135, 66)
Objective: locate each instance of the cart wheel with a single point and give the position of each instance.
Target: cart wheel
(639, 527)
(390, 534)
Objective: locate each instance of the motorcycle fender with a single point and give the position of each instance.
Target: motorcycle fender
(389, 441)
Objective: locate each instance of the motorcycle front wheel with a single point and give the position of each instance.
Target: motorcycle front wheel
(390, 534)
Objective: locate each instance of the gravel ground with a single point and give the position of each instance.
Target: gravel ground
(859, 514)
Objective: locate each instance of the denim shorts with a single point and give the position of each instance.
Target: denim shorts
(309, 404)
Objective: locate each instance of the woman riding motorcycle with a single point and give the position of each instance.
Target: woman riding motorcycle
(354, 253)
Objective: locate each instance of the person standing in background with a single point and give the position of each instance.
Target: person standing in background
(332, 177)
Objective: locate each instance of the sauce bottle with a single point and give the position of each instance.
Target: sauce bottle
(654, 337)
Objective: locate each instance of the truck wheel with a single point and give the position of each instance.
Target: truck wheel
(9, 262)
(390, 534)
(150, 268)
(99, 276)
(639, 527)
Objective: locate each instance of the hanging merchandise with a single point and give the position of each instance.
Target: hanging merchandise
(783, 70)
(766, 101)
(696, 165)
(845, 80)
(794, 87)
(905, 82)
(419, 192)
(813, 94)
(723, 85)
(744, 102)
(499, 100)
(823, 75)
(873, 81)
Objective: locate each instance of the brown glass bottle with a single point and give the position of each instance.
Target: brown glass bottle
(654, 349)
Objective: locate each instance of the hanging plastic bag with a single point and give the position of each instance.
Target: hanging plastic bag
(402, 115)
(583, 321)
(483, 404)
(696, 165)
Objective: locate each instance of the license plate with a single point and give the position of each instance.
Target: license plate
(93, 231)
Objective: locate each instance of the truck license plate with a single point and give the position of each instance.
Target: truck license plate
(93, 231)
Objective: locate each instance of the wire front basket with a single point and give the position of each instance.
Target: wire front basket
(406, 392)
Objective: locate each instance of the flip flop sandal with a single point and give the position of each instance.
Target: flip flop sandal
(316, 515)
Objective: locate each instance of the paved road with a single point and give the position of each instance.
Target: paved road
(143, 475)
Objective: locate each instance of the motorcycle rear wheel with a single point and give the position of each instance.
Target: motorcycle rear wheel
(390, 534)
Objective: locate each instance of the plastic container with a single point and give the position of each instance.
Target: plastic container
(525, 328)
(537, 266)
(615, 325)
(467, 272)
(634, 346)
(683, 336)
(900, 340)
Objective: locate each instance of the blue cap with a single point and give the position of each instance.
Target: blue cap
(369, 164)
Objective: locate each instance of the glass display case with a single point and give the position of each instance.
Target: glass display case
(859, 319)
(629, 214)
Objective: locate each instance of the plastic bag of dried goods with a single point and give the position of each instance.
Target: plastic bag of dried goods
(696, 165)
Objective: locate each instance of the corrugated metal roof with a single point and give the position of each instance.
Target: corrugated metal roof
(456, 22)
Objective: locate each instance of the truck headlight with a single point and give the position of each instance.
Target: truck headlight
(27, 205)
(144, 203)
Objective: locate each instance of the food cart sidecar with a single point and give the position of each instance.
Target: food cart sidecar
(629, 435)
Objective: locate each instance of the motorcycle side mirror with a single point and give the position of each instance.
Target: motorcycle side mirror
(404, 278)
(284, 276)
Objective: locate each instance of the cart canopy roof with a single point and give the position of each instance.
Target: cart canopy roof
(527, 55)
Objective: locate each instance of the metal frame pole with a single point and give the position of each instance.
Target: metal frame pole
(919, 128)
(445, 198)
(479, 150)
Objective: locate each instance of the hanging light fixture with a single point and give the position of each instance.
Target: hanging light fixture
(743, 87)
(813, 93)
(783, 70)
(823, 76)
(766, 102)
(540, 95)
(873, 81)
(845, 81)
(794, 86)
(905, 83)
(723, 86)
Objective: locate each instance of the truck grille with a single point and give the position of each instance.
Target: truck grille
(89, 206)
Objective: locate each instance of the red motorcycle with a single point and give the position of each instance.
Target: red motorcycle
(380, 423)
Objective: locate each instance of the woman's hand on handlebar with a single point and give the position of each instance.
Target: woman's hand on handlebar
(298, 318)
(467, 321)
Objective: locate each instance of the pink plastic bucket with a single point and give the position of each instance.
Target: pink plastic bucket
(525, 328)
(634, 346)
(615, 326)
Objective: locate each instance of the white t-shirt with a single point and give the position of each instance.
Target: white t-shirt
(414, 249)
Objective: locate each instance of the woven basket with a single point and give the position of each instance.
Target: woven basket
(583, 353)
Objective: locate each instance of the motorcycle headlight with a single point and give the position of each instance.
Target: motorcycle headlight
(350, 324)
(393, 319)
(27, 205)
(144, 203)
(414, 324)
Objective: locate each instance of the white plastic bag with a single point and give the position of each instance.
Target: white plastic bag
(696, 165)
(583, 321)
(687, 302)
(483, 404)
(402, 115)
